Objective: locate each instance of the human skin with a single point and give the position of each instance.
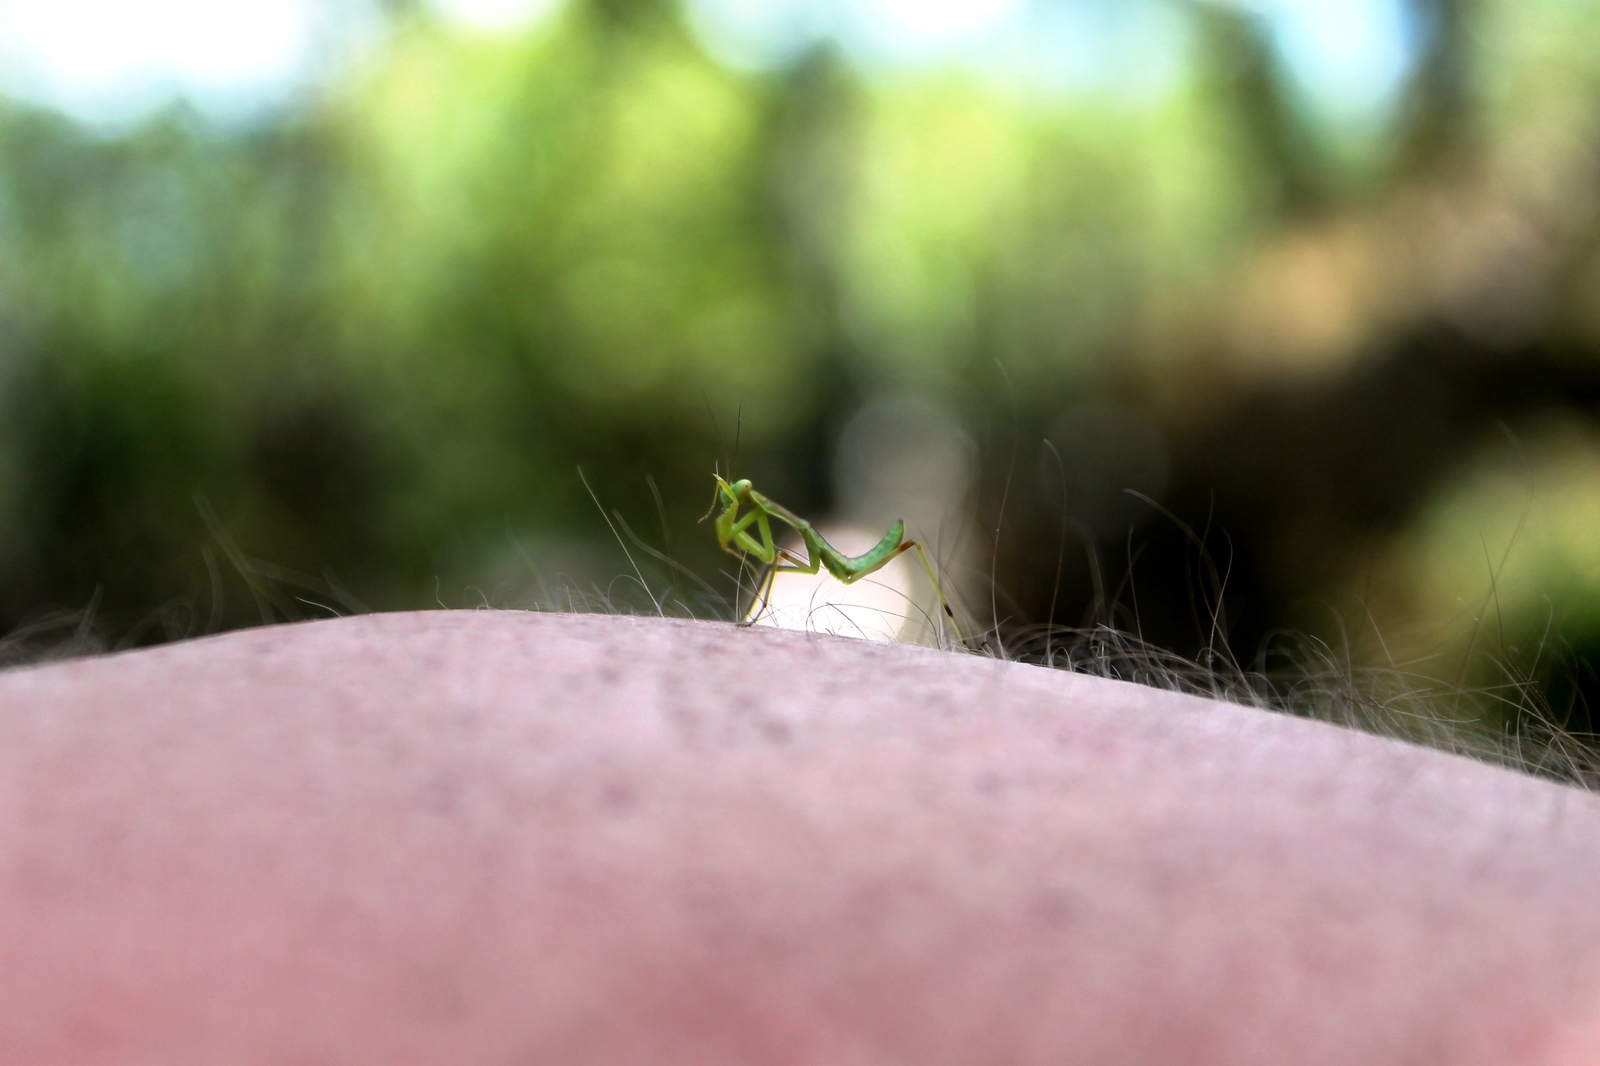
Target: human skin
(508, 838)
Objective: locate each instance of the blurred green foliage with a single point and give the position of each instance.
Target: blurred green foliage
(353, 358)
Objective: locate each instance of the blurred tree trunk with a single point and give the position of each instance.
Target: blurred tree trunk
(1438, 118)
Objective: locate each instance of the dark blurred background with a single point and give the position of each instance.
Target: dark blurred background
(311, 306)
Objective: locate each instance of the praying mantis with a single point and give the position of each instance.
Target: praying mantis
(733, 534)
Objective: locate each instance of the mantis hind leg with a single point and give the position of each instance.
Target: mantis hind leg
(850, 570)
(800, 566)
(938, 590)
(849, 577)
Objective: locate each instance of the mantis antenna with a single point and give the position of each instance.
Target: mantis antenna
(735, 536)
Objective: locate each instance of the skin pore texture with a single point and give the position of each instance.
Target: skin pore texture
(507, 838)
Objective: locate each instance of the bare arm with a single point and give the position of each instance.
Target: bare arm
(508, 838)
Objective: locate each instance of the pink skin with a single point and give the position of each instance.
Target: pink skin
(465, 838)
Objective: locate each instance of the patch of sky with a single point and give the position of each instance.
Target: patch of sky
(496, 16)
(1131, 49)
(1040, 45)
(1349, 59)
(111, 63)
(763, 35)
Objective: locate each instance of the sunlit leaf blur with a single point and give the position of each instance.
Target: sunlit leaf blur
(312, 308)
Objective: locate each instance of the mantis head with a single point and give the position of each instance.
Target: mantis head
(727, 495)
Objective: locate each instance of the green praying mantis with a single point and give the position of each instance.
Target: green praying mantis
(733, 534)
